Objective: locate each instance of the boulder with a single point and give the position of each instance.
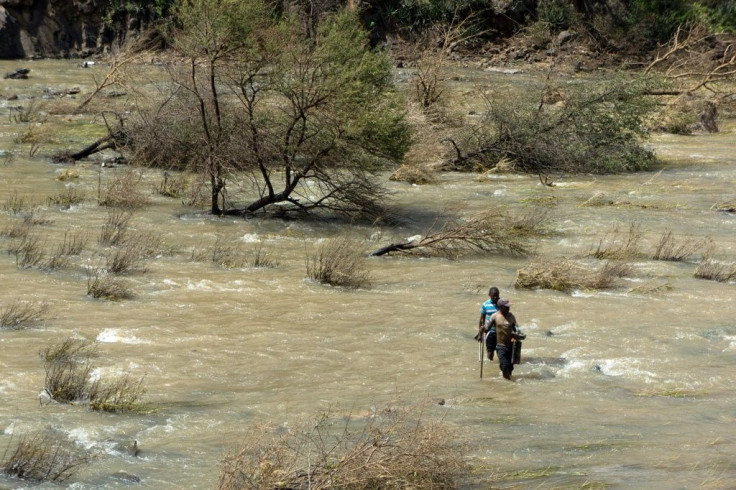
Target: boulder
(17, 74)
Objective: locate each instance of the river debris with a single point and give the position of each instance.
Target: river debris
(561, 274)
(486, 232)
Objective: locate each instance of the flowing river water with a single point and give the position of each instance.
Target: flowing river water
(628, 388)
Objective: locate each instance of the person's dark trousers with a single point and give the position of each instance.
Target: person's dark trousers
(491, 344)
(504, 358)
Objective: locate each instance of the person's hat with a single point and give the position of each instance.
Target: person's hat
(504, 302)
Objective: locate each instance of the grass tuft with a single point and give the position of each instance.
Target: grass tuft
(672, 249)
(228, 256)
(341, 262)
(115, 227)
(16, 204)
(122, 394)
(617, 245)
(102, 286)
(260, 258)
(715, 270)
(68, 197)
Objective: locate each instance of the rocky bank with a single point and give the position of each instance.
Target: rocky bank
(66, 28)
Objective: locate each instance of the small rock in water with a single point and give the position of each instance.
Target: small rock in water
(549, 333)
(18, 74)
(130, 447)
(127, 477)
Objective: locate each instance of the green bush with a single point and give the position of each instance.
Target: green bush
(557, 15)
(598, 128)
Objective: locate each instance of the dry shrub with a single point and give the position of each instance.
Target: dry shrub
(35, 217)
(20, 314)
(114, 230)
(16, 229)
(122, 394)
(43, 456)
(131, 253)
(339, 261)
(124, 259)
(73, 244)
(149, 244)
(68, 379)
(124, 191)
(102, 286)
(28, 251)
(715, 270)
(670, 248)
(16, 204)
(413, 174)
(618, 245)
(261, 258)
(530, 222)
(561, 274)
(67, 197)
(229, 256)
(428, 151)
(175, 185)
(391, 449)
(69, 350)
(68, 369)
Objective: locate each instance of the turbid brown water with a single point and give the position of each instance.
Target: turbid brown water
(628, 388)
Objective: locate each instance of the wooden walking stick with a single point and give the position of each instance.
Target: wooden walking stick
(482, 353)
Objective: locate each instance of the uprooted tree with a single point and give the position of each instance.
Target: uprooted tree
(300, 118)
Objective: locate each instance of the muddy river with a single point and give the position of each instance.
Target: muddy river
(633, 387)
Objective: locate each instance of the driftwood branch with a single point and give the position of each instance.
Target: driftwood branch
(113, 140)
(486, 232)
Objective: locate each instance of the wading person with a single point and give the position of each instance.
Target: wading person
(504, 323)
(486, 310)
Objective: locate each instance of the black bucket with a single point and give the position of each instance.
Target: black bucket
(516, 352)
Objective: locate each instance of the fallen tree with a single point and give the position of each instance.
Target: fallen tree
(114, 140)
(600, 129)
(486, 232)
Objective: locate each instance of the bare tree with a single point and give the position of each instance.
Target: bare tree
(695, 60)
